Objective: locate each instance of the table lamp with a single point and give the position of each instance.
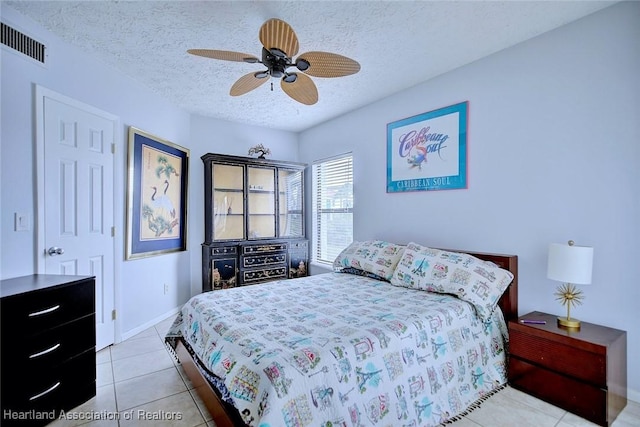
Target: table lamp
(571, 265)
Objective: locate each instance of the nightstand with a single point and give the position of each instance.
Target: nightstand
(582, 371)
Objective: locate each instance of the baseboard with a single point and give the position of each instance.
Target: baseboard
(150, 323)
(633, 395)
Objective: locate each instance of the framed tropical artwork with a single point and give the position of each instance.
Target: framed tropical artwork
(156, 196)
(428, 151)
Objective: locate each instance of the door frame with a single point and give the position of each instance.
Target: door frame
(40, 93)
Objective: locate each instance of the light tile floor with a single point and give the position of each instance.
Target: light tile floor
(138, 381)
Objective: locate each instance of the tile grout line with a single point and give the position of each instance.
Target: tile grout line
(113, 384)
(189, 390)
(159, 336)
(536, 409)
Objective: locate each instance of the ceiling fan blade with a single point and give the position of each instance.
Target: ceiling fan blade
(225, 55)
(246, 83)
(302, 89)
(276, 33)
(325, 64)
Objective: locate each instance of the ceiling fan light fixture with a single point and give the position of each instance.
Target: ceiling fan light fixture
(290, 78)
(261, 74)
(302, 64)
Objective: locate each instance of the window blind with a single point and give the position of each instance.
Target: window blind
(332, 207)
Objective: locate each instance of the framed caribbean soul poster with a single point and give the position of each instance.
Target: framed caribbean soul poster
(156, 196)
(428, 151)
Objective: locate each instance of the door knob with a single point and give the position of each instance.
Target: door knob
(53, 251)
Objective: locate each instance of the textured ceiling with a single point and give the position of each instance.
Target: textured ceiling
(398, 44)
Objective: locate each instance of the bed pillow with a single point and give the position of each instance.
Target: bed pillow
(376, 257)
(480, 283)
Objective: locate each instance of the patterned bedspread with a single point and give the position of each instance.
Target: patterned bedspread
(343, 350)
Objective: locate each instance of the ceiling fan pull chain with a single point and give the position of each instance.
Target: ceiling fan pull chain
(271, 86)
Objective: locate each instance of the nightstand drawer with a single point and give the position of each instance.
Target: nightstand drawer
(585, 400)
(558, 357)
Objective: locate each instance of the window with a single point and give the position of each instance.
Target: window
(332, 207)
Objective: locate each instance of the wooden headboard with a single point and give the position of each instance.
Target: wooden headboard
(509, 300)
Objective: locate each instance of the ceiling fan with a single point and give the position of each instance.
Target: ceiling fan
(280, 45)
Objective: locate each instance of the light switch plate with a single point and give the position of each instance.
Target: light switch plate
(22, 221)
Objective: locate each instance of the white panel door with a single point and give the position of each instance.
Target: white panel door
(78, 201)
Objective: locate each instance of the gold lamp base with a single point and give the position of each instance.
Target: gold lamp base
(569, 294)
(564, 322)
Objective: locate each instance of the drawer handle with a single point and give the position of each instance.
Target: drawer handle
(49, 350)
(48, 310)
(55, 386)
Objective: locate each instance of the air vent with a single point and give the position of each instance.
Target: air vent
(22, 43)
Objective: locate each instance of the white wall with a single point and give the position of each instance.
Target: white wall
(553, 155)
(140, 283)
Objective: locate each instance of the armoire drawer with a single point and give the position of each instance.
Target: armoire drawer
(224, 250)
(264, 260)
(261, 275)
(264, 248)
(299, 246)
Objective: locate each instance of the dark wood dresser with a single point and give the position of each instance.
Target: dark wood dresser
(48, 340)
(582, 371)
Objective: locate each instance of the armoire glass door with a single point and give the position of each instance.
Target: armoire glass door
(261, 202)
(228, 202)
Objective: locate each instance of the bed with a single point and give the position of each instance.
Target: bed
(396, 335)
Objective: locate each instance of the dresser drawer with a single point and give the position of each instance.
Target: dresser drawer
(250, 276)
(558, 357)
(64, 398)
(49, 349)
(52, 387)
(263, 260)
(47, 308)
(583, 399)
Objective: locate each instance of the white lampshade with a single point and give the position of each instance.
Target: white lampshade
(570, 264)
